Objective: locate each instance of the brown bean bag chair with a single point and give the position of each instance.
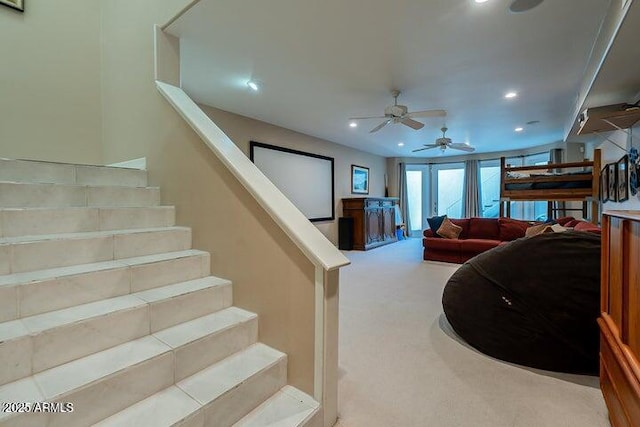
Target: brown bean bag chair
(533, 301)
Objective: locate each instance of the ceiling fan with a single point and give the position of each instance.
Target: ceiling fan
(445, 142)
(400, 114)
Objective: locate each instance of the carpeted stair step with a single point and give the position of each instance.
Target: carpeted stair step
(36, 292)
(238, 384)
(289, 407)
(64, 173)
(36, 221)
(168, 407)
(98, 385)
(116, 382)
(29, 253)
(37, 343)
(34, 195)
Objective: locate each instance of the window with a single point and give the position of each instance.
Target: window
(448, 182)
(490, 188)
(414, 195)
(529, 210)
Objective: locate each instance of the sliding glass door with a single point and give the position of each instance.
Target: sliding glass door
(418, 198)
(446, 189)
(433, 190)
(490, 188)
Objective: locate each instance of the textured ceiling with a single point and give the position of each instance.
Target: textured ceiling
(321, 62)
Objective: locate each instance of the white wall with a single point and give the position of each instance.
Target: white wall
(242, 130)
(50, 81)
(611, 153)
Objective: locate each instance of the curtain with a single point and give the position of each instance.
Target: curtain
(471, 190)
(404, 199)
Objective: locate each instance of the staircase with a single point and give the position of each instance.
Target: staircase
(110, 317)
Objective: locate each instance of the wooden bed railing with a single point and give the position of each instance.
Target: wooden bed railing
(589, 195)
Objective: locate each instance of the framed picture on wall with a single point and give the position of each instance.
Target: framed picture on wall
(604, 184)
(613, 181)
(623, 183)
(359, 179)
(14, 4)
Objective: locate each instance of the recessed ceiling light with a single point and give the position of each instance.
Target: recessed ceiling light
(353, 125)
(481, 1)
(253, 85)
(519, 129)
(509, 95)
(400, 144)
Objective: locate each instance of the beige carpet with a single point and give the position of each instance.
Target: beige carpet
(402, 366)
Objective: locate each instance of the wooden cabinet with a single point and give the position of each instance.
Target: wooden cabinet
(373, 220)
(620, 319)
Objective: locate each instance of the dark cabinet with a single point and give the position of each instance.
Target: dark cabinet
(373, 220)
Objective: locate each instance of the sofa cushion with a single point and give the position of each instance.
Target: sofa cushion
(449, 230)
(455, 257)
(435, 222)
(483, 228)
(478, 245)
(564, 220)
(511, 229)
(464, 223)
(571, 223)
(439, 244)
(586, 226)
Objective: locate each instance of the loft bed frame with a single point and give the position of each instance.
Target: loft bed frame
(589, 195)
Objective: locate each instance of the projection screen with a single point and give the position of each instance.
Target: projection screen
(305, 178)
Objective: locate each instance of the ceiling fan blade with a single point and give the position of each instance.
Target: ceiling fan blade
(463, 147)
(380, 126)
(411, 123)
(426, 147)
(365, 118)
(428, 113)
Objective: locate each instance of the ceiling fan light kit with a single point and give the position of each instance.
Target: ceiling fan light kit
(443, 143)
(400, 114)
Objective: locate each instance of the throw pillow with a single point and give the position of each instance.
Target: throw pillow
(536, 229)
(571, 223)
(435, 223)
(564, 220)
(511, 229)
(587, 226)
(449, 230)
(544, 228)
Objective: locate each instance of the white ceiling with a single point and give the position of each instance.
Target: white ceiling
(323, 61)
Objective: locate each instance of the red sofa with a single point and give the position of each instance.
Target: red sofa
(481, 234)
